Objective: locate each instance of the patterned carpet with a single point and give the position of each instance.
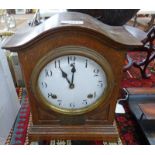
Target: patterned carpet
(128, 129)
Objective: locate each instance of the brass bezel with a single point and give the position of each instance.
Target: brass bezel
(72, 50)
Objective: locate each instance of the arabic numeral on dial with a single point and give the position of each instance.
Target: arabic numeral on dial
(72, 105)
(51, 95)
(57, 64)
(84, 102)
(59, 102)
(44, 84)
(96, 72)
(86, 63)
(71, 59)
(48, 73)
(100, 84)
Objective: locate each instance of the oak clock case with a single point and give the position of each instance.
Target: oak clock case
(63, 36)
(86, 84)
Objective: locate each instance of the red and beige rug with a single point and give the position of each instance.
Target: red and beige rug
(128, 129)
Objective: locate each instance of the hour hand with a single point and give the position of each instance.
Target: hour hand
(64, 75)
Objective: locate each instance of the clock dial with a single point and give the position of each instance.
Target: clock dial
(72, 82)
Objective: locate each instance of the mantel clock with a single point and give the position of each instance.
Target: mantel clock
(72, 66)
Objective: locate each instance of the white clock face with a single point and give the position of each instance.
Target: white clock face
(72, 82)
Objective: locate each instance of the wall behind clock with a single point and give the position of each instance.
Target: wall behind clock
(9, 103)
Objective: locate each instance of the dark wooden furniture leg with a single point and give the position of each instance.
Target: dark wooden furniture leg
(144, 64)
(148, 41)
(151, 22)
(149, 47)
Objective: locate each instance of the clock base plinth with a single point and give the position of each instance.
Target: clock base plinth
(96, 132)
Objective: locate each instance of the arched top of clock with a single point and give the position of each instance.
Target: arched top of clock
(115, 36)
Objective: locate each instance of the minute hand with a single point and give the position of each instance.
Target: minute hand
(64, 75)
(73, 70)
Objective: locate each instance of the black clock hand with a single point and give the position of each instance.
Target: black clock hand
(64, 75)
(73, 70)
